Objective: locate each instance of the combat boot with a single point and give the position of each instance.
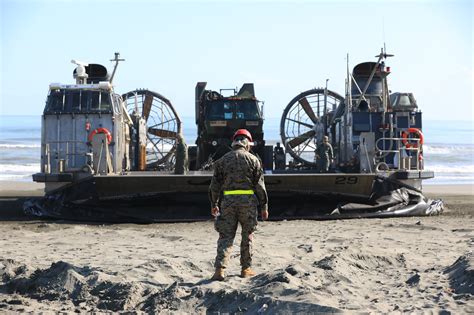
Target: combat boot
(247, 273)
(218, 275)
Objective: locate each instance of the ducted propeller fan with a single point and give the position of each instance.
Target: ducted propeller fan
(303, 122)
(162, 125)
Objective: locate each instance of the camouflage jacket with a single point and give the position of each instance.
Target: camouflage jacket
(325, 152)
(238, 170)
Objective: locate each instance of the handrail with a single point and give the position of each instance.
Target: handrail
(47, 165)
(400, 150)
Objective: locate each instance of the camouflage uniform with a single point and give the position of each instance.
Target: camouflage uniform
(237, 170)
(181, 164)
(326, 155)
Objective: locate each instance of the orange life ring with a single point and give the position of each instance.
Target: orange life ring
(410, 131)
(101, 130)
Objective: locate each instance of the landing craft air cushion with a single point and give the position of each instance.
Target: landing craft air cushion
(111, 157)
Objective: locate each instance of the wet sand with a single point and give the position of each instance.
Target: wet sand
(412, 264)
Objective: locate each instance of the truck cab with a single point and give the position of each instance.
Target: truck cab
(219, 116)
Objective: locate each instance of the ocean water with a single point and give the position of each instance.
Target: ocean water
(448, 148)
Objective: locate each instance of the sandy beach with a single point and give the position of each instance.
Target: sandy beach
(415, 264)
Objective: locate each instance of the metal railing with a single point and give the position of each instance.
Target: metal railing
(65, 154)
(407, 153)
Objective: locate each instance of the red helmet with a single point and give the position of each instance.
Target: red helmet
(243, 132)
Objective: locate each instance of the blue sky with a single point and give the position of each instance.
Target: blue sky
(284, 47)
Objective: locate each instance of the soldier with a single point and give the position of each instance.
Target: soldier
(324, 155)
(279, 157)
(181, 164)
(238, 188)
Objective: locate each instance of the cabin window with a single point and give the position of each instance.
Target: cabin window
(84, 100)
(105, 102)
(228, 112)
(247, 110)
(55, 101)
(78, 101)
(220, 110)
(72, 101)
(216, 111)
(94, 101)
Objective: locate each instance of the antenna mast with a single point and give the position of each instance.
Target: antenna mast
(348, 86)
(116, 59)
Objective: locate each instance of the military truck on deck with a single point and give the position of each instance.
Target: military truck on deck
(217, 118)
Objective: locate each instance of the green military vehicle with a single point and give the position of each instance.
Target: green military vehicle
(219, 116)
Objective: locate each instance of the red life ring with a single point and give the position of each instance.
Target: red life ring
(101, 130)
(414, 131)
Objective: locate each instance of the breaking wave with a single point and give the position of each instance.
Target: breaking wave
(451, 169)
(443, 149)
(19, 146)
(18, 171)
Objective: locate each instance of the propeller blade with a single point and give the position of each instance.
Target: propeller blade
(301, 138)
(162, 133)
(308, 110)
(147, 106)
(300, 123)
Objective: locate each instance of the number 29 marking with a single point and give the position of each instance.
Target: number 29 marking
(346, 180)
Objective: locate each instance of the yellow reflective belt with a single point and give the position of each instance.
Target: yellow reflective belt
(238, 192)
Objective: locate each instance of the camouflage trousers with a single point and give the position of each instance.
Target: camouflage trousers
(236, 209)
(324, 165)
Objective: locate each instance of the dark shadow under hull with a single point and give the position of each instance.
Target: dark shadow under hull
(105, 199)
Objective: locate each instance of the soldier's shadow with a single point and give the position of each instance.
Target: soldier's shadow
(204, 281)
